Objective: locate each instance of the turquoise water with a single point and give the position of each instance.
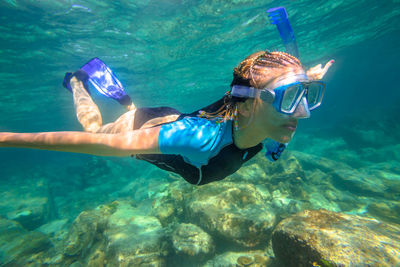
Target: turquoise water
(181, 54)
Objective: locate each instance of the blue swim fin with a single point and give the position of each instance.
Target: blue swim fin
(105, 82)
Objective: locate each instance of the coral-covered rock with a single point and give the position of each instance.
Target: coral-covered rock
(117, 234)
(335, 239)
(134, 240)
(83, 233)
(286, 169)
(252, 173)
(191, 241)
(169, 206)
(262, 171)
(256, 258)
(18, 246)
(232, 211)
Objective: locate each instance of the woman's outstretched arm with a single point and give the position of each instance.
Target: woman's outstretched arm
(144, 141)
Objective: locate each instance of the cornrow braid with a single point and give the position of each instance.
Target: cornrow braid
(257, 70)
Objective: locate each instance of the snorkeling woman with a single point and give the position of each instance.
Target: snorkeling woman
(269, 93)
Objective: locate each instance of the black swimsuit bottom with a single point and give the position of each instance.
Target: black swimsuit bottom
(225, 163)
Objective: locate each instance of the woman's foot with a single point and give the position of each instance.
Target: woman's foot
(80, 75)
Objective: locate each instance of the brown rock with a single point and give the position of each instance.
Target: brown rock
(335, 239)
(236, 212)
(18, 246)
(192, 242)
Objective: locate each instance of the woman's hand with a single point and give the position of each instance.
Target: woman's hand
(317, 72)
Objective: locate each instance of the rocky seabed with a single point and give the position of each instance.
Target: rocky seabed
(302, 211)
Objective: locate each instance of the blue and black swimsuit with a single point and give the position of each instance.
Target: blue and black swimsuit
(198, 149)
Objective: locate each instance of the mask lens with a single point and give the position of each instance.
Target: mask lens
(290, 98)
(314, 96)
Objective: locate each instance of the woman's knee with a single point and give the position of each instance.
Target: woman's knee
(92, 127)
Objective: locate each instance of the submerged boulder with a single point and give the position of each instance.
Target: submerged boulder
(327, 238)
(255, 258)
(83, 233)
(191, 241)
(133, 239)
(116, 234)
(234, 212)
(168, 207)
(262, 171)
(19, 247)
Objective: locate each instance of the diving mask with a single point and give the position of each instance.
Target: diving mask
(286, 98)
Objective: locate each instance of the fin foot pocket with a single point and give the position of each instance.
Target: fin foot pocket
(80, 75)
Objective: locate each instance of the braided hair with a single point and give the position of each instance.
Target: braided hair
(257, 70)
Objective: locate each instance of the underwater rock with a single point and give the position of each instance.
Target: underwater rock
(18, 247)
(318, 200)
(335, 239)
(134, 240)
(287, 169)
(389, 212)
(32, 210)
(191, 241)
(83, 232)
(366, 181)
(255, 258)
(381, 154)
(115, 235)
(360, 182)
(232, 211)
(53, 228)
(283, 205)
(252, 173)
(312, 162)
(169, 206)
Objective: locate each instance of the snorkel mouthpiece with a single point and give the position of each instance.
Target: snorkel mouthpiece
(279, 17)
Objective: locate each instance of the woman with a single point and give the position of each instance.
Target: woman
(269, 93)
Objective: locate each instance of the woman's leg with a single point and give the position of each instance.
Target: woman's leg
(121, 125)
(87, 112)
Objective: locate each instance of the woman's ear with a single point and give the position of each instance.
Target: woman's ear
(246, 108)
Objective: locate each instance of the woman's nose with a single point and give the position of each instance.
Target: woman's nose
(302, 111)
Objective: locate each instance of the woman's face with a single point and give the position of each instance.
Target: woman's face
(275, 125)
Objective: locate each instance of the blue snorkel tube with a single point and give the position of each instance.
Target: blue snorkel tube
(279, 17)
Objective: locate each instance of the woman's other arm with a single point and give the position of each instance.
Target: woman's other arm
(143, 141)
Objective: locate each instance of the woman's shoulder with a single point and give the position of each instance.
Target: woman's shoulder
(194, 137)
(195, 126)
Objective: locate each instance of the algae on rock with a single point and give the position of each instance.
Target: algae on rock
(336, 239)
(190, 240)
(235, 212)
